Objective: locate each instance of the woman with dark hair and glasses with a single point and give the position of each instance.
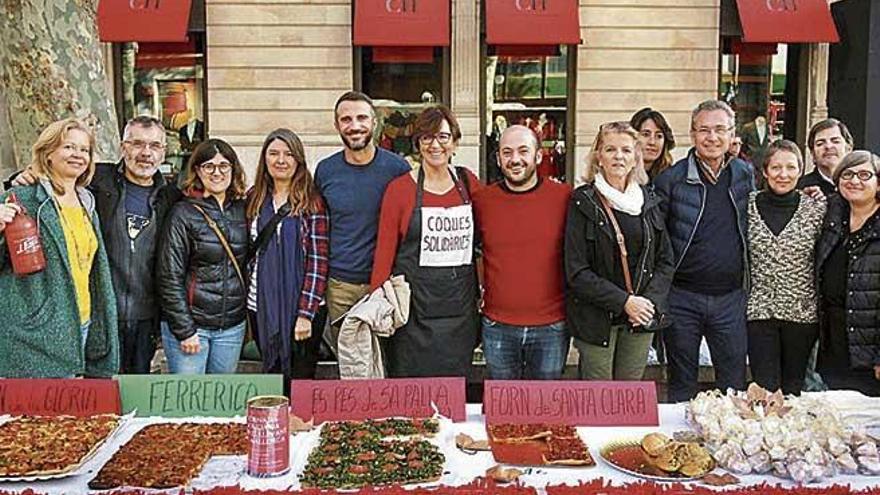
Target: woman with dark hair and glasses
(203, 250)
(784, 224)
(426, 232)
(847, 266)
(288, 226)
(656, 138)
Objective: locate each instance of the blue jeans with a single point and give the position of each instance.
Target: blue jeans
(531, 353)
(722, 320)
(218, 353)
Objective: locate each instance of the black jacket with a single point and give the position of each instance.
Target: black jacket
(815, 178)
(198, 285)
(591, 257)
(132, 264)
(863, 281)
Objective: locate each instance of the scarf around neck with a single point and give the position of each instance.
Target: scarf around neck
(629, 201)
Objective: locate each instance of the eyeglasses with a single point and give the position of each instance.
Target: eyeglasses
(863, 175)
(212, 168)
(154, 146)
(441, 137)
(707, 131)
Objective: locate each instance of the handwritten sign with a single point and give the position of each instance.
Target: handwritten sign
(338, 400)
(58, 397)
(193, 395)
(579, 403)
(447, 235)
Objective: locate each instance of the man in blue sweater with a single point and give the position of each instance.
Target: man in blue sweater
(705, 197)
(352, 182)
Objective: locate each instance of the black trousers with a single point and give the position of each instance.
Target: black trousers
(304, 362)
(833, 362)
(137, 345)
(778, 353)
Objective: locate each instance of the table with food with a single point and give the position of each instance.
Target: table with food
(742, 442)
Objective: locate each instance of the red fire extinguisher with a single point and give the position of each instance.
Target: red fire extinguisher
(23, 242)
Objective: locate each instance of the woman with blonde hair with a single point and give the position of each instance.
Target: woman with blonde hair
(200, 271)
(618, 259)
(61, 321)
(288, 231)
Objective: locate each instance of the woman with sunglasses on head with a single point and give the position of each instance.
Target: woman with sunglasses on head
(426, 231)
(618, 260)
(656, 138)
(288, 231)
(203, 250)
(847, 266)
(60, 321)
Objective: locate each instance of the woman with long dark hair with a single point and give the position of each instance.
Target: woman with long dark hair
(656, 138)
(288, 231)
(202, 255)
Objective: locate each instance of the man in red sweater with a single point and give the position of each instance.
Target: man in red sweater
(521, 221)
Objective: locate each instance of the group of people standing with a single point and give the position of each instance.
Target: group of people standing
(644, 248)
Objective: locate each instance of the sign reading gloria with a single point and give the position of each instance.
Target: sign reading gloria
(580, 403)
(58, 397)
(339, 400)
(193, 395)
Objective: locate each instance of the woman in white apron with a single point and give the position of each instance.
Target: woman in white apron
(426, 233)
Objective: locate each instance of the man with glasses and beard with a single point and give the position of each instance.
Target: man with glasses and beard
(521, 222)
(132, 200)
(352, 182)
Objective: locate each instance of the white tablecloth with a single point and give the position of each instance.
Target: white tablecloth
(461, 468)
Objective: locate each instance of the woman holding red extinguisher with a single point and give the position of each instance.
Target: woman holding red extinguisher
(60, 319)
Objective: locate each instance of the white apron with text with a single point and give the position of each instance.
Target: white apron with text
(447, 236)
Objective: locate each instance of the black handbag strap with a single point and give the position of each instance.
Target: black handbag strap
(266, 232)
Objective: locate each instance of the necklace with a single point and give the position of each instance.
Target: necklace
(83, 254)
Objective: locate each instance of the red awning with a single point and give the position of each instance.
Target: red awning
(403, 54)
(787, 21)
(401, 23)
(532, 22)
(143, 20)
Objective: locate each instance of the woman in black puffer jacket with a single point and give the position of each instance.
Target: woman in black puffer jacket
(202, 294)
(848, 277)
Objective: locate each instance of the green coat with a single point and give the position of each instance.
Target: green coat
(40, 327)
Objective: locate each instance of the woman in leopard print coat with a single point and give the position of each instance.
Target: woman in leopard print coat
(782, 310)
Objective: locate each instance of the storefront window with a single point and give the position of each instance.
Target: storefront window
(530, 90)
(753, 82)
(402, 82)
(167, 81)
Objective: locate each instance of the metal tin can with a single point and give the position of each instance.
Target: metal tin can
(268, 429)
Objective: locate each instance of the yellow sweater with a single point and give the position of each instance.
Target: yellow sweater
(82, 244)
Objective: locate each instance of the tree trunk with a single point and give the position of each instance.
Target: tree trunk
(51, 67)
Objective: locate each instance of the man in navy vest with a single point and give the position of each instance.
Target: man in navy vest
(705, 197)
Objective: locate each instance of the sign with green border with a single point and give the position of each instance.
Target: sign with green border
(179, 396)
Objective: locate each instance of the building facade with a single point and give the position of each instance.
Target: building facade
(258, 65)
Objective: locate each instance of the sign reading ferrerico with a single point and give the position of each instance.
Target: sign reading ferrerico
(179, 396)
(340, 400)
(58, 397)
(577, 403)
